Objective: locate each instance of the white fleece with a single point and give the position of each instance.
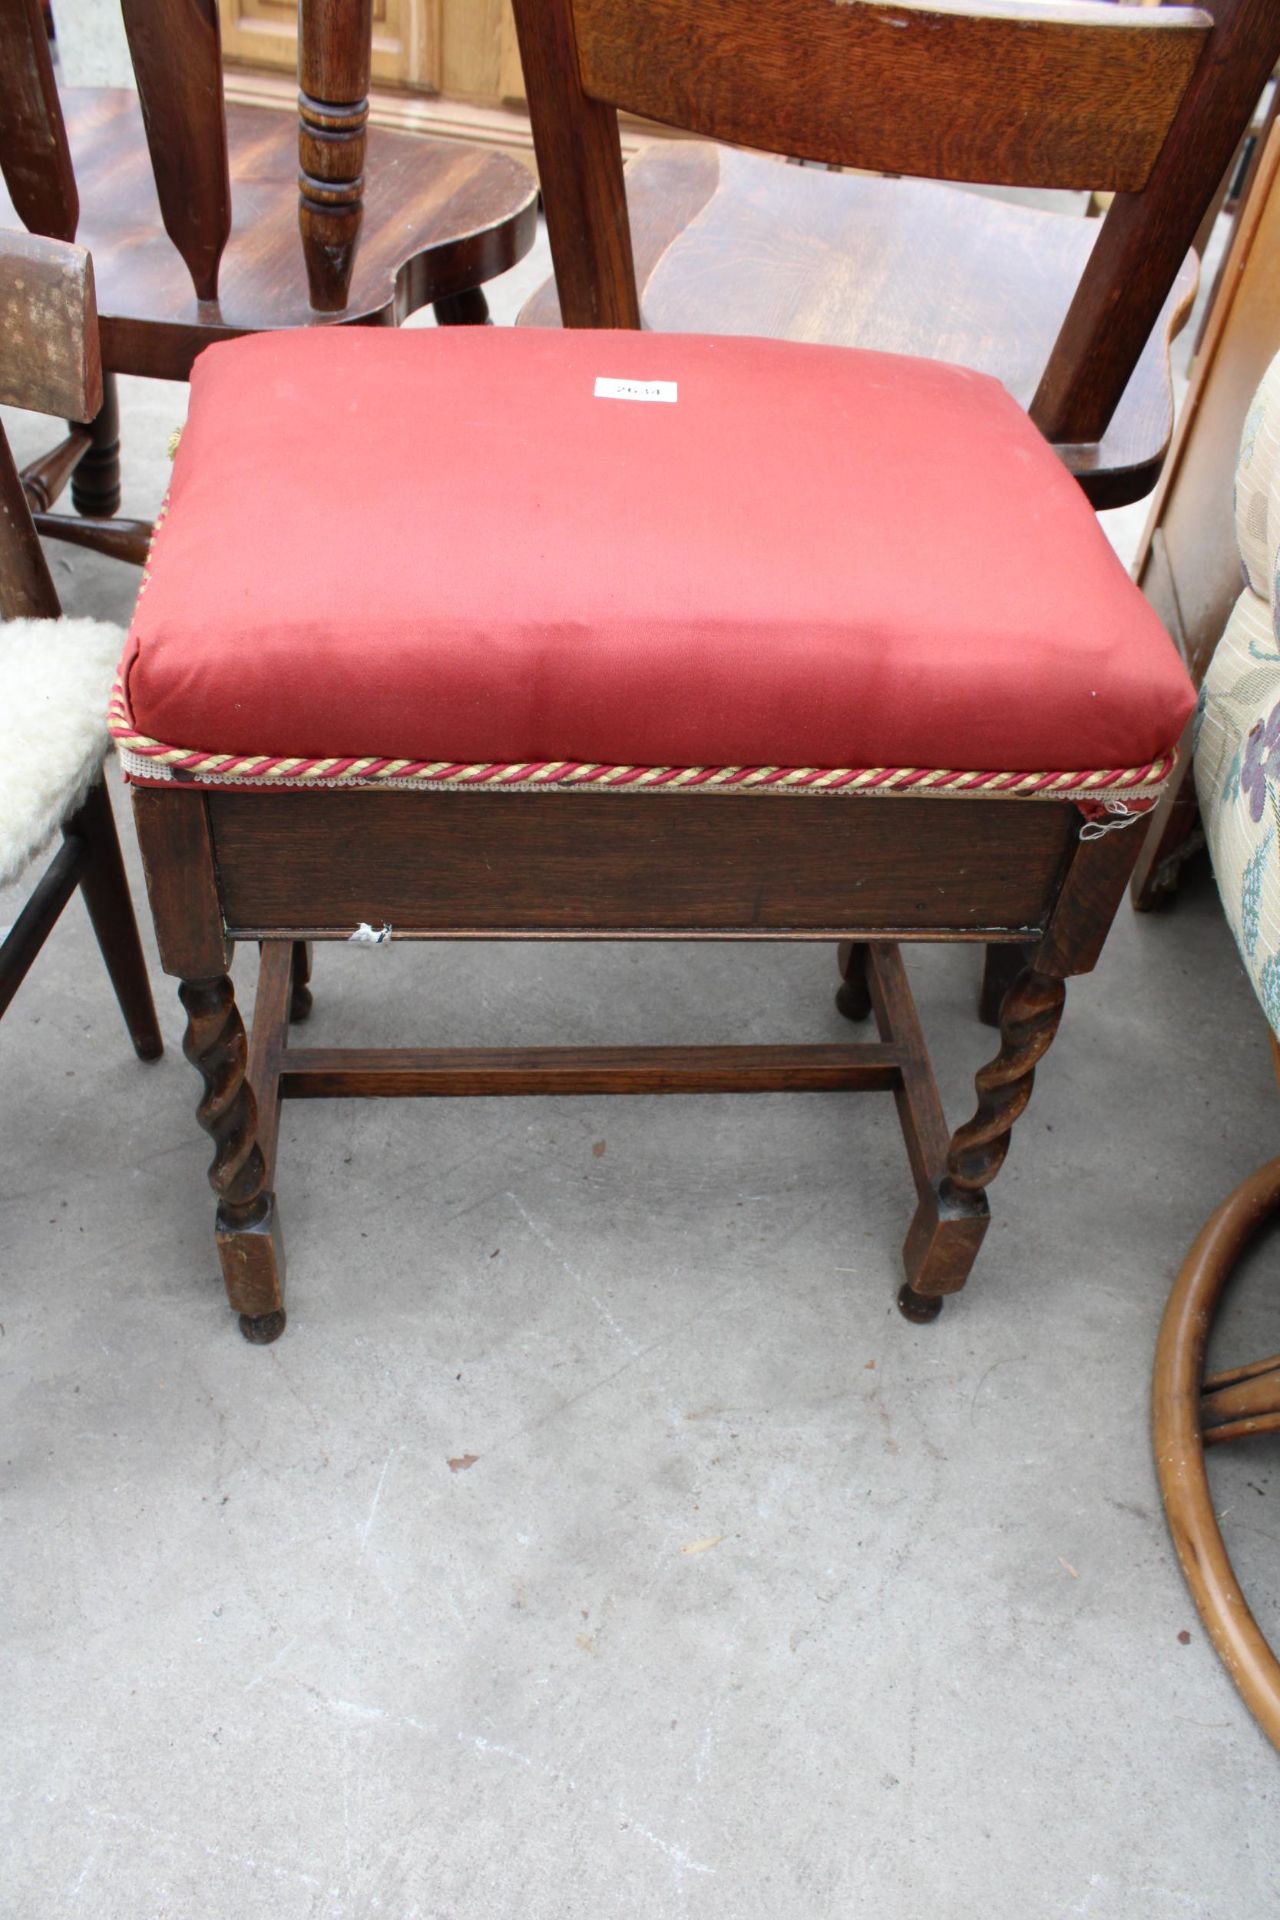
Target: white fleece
(55, 681)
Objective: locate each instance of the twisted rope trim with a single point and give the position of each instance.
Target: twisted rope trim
(148, 759)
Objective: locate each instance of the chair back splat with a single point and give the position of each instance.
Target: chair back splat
(1148, 102)
(34, 156)
(176, 50)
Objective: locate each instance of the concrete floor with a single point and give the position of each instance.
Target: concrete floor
(599, 1541)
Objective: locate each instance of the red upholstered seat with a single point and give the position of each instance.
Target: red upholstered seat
(447, 547)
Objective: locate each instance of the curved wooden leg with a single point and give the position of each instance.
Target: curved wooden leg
(106, 895)
(250, 1246)
(853, 995)
(1179, 1445)
(95, 484)
(951, 1218)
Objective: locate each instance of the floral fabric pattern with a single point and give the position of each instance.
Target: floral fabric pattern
(1237, 726)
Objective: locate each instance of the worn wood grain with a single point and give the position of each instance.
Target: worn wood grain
(49, 362)
(312, 1073)
(1086, 903)
(616, 863)
(1027, 95)
(182, 883)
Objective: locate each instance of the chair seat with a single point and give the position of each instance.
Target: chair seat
(55, 676)
(440, 216)
(733, 242)
(447, 554)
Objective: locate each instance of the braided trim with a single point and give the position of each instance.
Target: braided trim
(149, 759)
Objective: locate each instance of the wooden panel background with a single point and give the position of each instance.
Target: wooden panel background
(406, 38)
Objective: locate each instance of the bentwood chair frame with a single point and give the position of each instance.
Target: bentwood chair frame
(1148, 102)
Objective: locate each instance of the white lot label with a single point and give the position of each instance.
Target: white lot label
(635, 389)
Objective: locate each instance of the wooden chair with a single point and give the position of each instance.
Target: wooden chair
(678, 636)
(148, 183)
(726, 240)
(54, 674)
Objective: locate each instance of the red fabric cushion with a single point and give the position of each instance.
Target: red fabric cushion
(442, 545)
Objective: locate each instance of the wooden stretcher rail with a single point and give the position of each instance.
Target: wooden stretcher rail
(311, 1073)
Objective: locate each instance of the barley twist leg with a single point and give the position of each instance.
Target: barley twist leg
(247, 1230)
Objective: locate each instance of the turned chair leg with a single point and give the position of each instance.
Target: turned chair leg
(951, 1217)
(853, 995)
(95, 484)
(250, 1244)
(106, 895)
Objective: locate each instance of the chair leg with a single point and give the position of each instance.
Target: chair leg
(1170, 841)
(469, 309)
(951, 1218)
(250, 1243)
(95, 484)
(853, 996)
(1001, 966)
(300, 999)
(106, 895)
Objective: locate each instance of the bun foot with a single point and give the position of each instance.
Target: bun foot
(261, 1330)
(920, 1307)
